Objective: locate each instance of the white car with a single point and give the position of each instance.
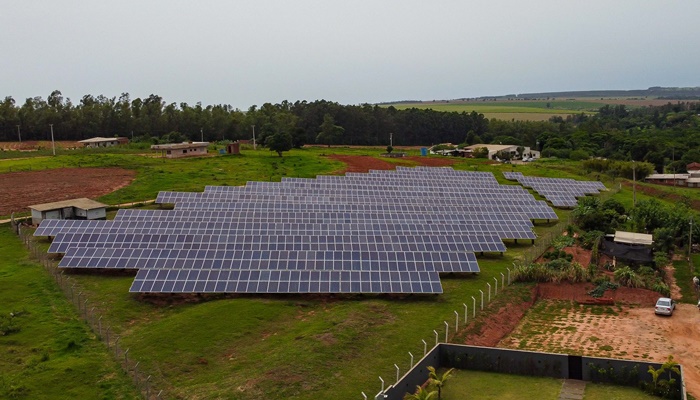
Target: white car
(664, 306)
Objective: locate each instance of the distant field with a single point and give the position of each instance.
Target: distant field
(529, 110)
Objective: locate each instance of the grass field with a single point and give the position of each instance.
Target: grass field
(251, 347)
(46, 351)
(493, 386)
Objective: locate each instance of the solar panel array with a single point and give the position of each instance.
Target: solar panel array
(560, 192)
(381, 232)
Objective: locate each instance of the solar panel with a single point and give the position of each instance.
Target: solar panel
(381, 232)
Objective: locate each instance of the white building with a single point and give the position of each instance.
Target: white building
(510, 148)
(69, 209)
(178, 150)
(103, 142)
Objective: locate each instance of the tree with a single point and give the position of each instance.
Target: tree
(330, 132)
(279, 142)
(420, 394)
(389, 149)
(481, 152)
(439, 380)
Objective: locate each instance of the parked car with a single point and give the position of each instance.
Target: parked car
(664, 306)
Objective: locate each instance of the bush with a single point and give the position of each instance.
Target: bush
(626, 277)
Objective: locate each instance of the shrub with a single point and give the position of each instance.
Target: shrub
(626, 277)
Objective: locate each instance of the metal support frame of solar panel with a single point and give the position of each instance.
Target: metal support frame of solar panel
(206, 281)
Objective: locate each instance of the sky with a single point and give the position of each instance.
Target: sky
(244, 53)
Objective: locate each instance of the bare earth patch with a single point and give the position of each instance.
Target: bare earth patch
(628, 332)
(365, 163)
(21, 189)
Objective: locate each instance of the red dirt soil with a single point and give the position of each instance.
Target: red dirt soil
(501, 323)
(31, 145)
(365, 163)
(21, 189)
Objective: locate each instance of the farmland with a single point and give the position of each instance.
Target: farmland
(527, 110)
(283, 346)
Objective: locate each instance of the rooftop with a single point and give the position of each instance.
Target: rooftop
(633, 238)
(82, 203)
(176, 146)
(98, 139)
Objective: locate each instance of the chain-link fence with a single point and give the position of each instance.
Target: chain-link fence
(91, 315)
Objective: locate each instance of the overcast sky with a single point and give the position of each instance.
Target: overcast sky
(251, 52)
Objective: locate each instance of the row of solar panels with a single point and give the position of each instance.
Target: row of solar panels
(560, 192)
(255, 237)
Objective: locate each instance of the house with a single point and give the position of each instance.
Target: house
(691, 179)
(103, 142)
(510, 148)
(69, 209)
(185, 149)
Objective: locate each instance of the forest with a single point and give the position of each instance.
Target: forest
(665, 136)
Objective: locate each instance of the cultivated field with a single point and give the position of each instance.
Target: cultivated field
(529, 110)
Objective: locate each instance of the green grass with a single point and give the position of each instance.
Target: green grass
(466, 384)
(684, 278)
(52, 355)
(597, 391)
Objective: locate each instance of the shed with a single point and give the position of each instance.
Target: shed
(641, 239)
(178, 150)
(69, 209)
(103, 142)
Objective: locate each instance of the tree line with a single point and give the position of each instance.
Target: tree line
(665, 136)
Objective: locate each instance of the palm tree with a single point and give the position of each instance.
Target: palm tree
(420, 394)
(439, 381)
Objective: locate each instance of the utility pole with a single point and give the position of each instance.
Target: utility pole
(53, 144)
(253, 126)
(201, 130)
(634, 184)
(391, 139)
(690, 242)
(19, 134)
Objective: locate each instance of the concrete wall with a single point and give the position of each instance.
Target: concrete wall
(98, 213)
(619, 372)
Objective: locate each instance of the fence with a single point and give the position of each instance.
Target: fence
(482, 299)
(528, 363)
(91, 315)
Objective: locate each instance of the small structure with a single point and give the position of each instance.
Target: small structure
(691, 179)
(103, 142)
(69, 209)
(184, 149)
(628, 247)
(233, 148)
(493, 149)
